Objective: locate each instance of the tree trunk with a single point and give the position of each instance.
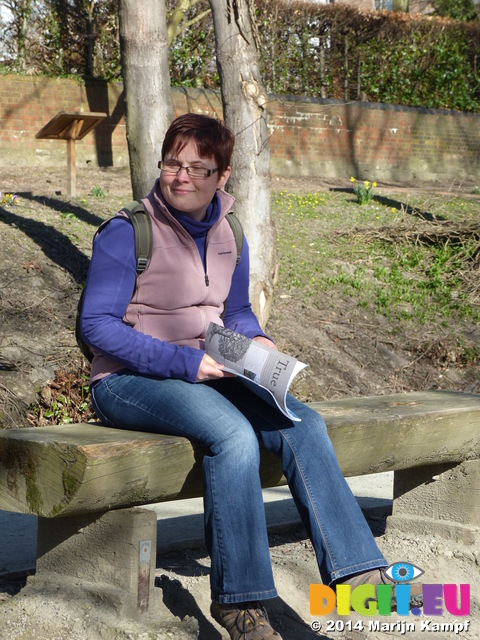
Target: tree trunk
(244, 107)
(400, 5)
(86, 10)
(146, 76)
(21, 12)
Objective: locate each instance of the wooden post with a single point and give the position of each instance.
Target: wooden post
(71, 169)
(72, 132)
(71, 127)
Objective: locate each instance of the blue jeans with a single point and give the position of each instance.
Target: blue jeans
(229, 420)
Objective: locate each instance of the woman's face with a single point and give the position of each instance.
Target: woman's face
(189, 195)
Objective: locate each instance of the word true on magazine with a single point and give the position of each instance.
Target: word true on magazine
(279, 368)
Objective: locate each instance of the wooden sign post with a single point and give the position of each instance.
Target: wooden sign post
(71, 126)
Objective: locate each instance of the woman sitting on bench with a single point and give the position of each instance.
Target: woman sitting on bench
(151, 373)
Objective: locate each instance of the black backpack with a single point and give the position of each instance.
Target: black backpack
(142, 228)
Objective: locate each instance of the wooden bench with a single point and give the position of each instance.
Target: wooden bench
(82, 481)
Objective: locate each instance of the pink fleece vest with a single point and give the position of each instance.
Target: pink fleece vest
(174, 300)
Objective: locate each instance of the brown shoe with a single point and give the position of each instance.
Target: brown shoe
(379, 576)
(244, 621)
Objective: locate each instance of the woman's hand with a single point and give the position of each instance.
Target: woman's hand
(266, 342)
(209, 369)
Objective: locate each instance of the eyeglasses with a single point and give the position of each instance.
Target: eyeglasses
(173, 168)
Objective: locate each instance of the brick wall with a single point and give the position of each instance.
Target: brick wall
(373, 141)
(308, 136)
(359, 4)
(414, 6)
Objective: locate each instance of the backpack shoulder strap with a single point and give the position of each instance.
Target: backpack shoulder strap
(142, 227)
(237, 229)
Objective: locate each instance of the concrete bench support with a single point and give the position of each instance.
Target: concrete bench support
(439, 500)
(110, 554)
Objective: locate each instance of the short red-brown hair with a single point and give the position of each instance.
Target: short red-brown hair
(213, 139)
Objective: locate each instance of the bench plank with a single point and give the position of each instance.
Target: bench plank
(402, 431)
(86, 468)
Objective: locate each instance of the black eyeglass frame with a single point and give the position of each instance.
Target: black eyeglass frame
(207, 172)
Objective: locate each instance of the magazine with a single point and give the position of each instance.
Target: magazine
(267, 368)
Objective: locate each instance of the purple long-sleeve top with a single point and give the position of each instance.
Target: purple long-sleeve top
(109, 289)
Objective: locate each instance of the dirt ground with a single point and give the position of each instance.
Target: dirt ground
(180, 604)
(41, 268)
(44, 260)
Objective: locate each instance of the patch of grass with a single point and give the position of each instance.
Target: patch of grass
(404, 257)
(98, 192)
(422, 284)
(301, 206)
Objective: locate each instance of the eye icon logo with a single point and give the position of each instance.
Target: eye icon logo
(403, 572)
